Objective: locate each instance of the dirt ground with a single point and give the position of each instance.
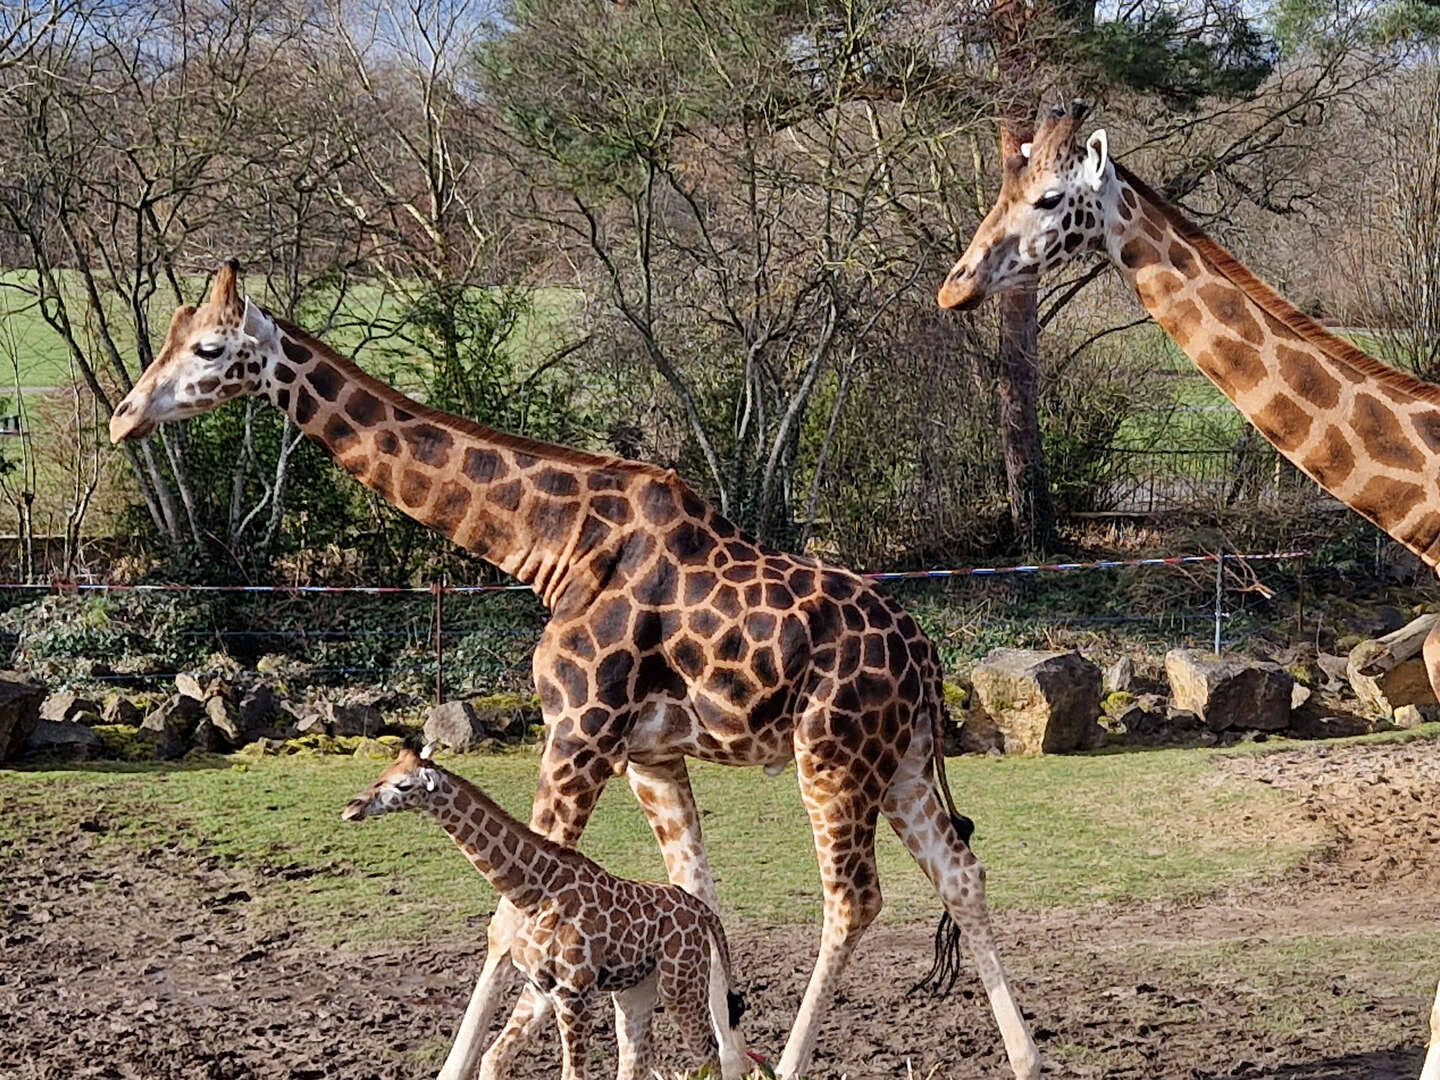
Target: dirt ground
(118, 966)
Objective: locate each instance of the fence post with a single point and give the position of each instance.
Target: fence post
(438, 588)
(1219, 597)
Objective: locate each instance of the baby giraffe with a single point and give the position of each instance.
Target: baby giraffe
(583, 931)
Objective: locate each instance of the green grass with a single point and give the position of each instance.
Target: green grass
(1055, 832)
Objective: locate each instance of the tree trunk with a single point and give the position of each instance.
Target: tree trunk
(1027, 480)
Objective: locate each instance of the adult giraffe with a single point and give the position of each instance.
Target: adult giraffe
(671, 633)
(1367, 433)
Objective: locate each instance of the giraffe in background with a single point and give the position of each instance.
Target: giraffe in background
(671, 634)
(1367, 433)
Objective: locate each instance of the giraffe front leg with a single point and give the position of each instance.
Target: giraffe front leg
(489, 992)
(565, 796)
(663, 792)
(529, 1014)
(634, 1021)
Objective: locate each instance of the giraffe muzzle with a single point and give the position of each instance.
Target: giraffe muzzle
(355, 810)
(128, 420)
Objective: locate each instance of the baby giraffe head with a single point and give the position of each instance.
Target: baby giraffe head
(212, 353)
(1053, 205)
(409, 782)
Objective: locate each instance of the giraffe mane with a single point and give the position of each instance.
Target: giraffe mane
(1275, 305)
(547, 451)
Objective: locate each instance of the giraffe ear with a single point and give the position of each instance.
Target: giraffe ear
(258, 326)
(430, 784)
(427, 752)
(1097, 157)
(1025, 150)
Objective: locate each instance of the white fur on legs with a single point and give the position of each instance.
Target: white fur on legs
(530, 1012)
(1431, 1071)
(490, 991)
(728, 1041)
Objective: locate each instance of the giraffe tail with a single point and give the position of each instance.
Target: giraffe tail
(727, 1004)
(949, 942)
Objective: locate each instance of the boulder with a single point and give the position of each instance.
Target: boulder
(169, 725)
(1389, 671)
(978, 733)
(462, 724)
(20, 700)
(1040, 702)
(121, 710)
(62, 740)
(1119, 675)
(311, 723)
(189, 686)
(1336, 670)
(1229, 692)
(351, 719)
(1409, 716)
(62, 708)
(225, 720)
(264, 709)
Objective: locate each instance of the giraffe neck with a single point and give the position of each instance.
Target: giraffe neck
(517, 862)
(513, 501)
(1367, 433)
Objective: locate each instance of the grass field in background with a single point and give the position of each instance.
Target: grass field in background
(1057, 832)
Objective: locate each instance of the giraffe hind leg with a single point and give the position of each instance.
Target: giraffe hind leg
(634, 1022)
(934, 840)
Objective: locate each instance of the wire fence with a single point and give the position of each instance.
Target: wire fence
(441, 637)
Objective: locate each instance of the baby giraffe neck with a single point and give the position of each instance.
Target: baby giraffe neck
(1367, 433)
(517, 862)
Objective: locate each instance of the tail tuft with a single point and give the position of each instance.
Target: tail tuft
(736, 1003)
(944, 972)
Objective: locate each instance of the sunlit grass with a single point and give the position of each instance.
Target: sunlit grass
(1055, 832)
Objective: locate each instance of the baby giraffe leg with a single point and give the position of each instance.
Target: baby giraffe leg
(634, 1021)
(529, 1013)
(574, 1014)
(687, 1003)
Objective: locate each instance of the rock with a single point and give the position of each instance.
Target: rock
(264, 709)
(225, 720)
(189, 686)
(210, 738)
(1388, 672)
(20, 700)
(1119, 675)
(121, 710)
(463, 724)
(1229, 693)
(61, 708)
(169, 725)
(62, 740)
(384, 699)
(1409, 716)
(978, 733)
(351, 719)
(1041, 702)
(1334, 668)
(1299, 695)
(312, 723)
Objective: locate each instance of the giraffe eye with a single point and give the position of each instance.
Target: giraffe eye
(1049, 200)
(209, 351)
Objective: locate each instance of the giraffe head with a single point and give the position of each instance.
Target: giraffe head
(407, 784)
(1053, 205)
(212, 353)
